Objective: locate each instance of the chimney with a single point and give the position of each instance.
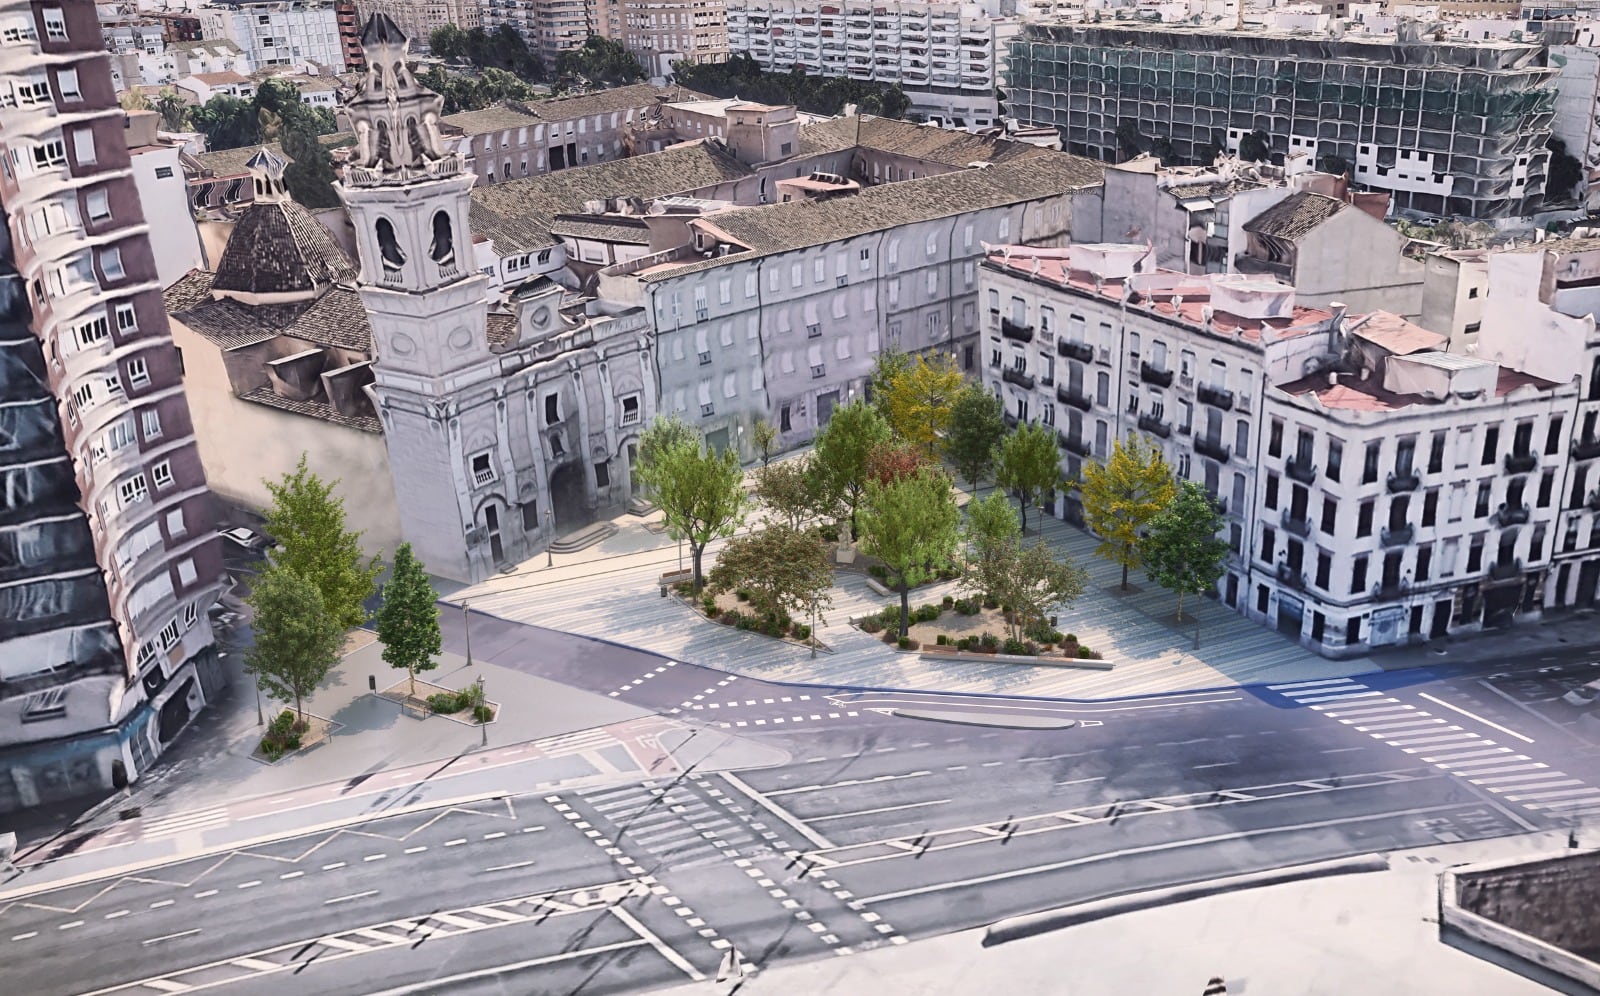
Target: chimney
(1337, 321)
(1333, 378)
(1206, 314)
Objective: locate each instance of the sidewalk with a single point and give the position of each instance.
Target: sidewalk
(1373, 934)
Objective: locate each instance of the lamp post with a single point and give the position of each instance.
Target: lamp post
(483, 723)
(550, 537)
(813, 630)
(466, 624)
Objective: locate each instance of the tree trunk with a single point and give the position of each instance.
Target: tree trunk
(1124, 575)
(412, 673)
(695, 550)
(300, 713)
(1180, 605)
(905, 607)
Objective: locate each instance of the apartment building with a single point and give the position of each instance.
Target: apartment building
(661, 32)
(947, 57)
(421, 18)
(550, 27)
(109, 553)
(1405, 116)
(279, 32)
(1377, 488)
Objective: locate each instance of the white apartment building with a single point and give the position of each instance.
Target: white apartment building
(661, 32)
(278, 32)
(947, 57)
(163, 193)
(134, 67)
(1377, 488)
(550, 27)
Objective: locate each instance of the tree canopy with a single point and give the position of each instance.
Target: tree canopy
(307, 520)
(502, 49)
(793, 491)
(486, 88)
(309, 176)
(1029, 464)
(296, 640)
(742, 76)
(275, 110)
(976, 428)
(992, 534)
(700, 493)
(918, 400)
(1181, 549)
(1121, 495)
(600, 61)
(843, 450)
(913, 526)
(784, 570)
(408, 620)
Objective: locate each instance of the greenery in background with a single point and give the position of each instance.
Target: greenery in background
(765, 437)
(1121, 496)
(1180, 547)
(486, 88)
(781, 571)
(918, 400)
(275, 114)
(700, 493)
(502, 50)
(889, 462)
(1565, 171)
(742, 76)
(307, 521)
(297, 641)
(976, 428)
(1035, 581)
(991, 534)
(793, 490)
(890, 364)
(843, 449)
(599, 62)
(913, 526)
(1256, 147)
(408, 620)
(1028, 464)
(309, 176)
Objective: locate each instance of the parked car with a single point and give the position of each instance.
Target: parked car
(1583, 695)
(247, 540)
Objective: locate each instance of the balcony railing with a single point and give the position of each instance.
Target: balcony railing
(1397, 535)
(1401, 483)
(1390, 591)
(1080, 351)
(1069, 395)
(1299, 525)
(1586, 449)
(1152, 375)
(1151, 424)
(1011, 375)
(1505, 570)
(1303, 471)
(1510, 515)
(1216, 397)
(1593, 504)
(1520, 463)
(1213, 448)
(1291, 578)
(1016, 330)
(1074, 444)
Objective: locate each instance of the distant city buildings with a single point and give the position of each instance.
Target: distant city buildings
(279, 32)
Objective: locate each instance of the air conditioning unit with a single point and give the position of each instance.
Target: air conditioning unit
(1104, 355)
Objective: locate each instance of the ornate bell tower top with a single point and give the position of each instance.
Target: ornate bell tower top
(396, 119)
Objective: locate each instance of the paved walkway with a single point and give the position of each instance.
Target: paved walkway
(611, 591)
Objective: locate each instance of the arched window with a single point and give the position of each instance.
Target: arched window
(382, 151)
(414, 139)
(389, 247)
(443, 247)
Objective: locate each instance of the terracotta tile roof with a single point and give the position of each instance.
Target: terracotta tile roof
(940, 145)
(187, 291)
(602, 228)
(1294, 216)
(518, 214)
(231, 162)
(518, 114)
(501, 328)
(220, 79)
(335, 318)
(316, 409)
(1394, 334)
(1212, 189)
(276, 248)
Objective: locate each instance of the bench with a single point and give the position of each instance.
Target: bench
(671, 578)
(414, 706)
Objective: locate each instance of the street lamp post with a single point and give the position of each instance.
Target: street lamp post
(813, 630)
(483, 723)
(466, 624)
(550, 537)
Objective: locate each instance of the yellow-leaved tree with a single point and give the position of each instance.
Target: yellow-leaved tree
(1121, 495)
(917, 401)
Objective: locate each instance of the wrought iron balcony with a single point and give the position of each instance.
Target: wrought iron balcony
(1397, 535)
(1401, 483)
(1016, 330)
(1505, 570)
(1586, 449)
(1074, 444)
(1510, 515)
(1011, 375)
(1291, 578)
(1299, 525)
(1216, 397)
(1212, 448)
(1593, 504)
(1080, 351)
(1149, 423)
(1150, 375)
(1303, 471)
(1068, 395)
(1520, 463)
(1390, 591)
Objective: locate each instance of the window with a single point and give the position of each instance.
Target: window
(482, 469)
(1275, 439)
(1269, 543)
(1481, 508)
(1364, 518)
(161, 474)
(1358, 575)
(191, 615)
(94, 331)
(83, 146)
(175, 526)
(1324, 570)
(111, 263)
(186, 572)
(1424, 561)
(97, 204)
(602, 474)
(67, 83)
(1430, 507)
(1369, 462)
(785, 419)
(168, 635)
(55, 23)
(1335, 459)
(150, 419)
(552, 409)
(1491, 444)
(630, 409)
(1330, 517)
(1546, 484)
(1436, 453)
(133, 490)
(1272, 490)
(1475, 555)
(138, 372)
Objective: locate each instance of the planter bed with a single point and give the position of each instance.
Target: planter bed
(729, 602)
(417, 705)
(952, 654)
(319, 730)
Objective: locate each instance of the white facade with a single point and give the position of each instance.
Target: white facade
(164, 193)
(278, 33)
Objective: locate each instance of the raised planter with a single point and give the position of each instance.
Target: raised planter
(320, 731)
(671, 578)
(1082, 663)
(417, 705)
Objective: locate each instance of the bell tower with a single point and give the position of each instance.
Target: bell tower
(426, 301)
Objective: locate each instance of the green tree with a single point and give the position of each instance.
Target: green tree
(309, 175)
(1565, 171)
(1256, 147)
(741, 76)
(408, 619)
(792, 490)
(976, 429)
(886, 369)
(913, 526)
(1036, 581)
(918, 401)
(448, 42)
(307, 520)
(296, 640)
(600, 61)
(1028, 463)
(843, 450)
(700, 493)
(992, 535)
(784, 570)
(227, 122)
(765, 436)
(1121, 496)
(1180, 547)
(174, 112)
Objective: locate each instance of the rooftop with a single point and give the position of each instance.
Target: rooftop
(335, 318)
(276, 247)
(1295, 216)
(1395, 335)
(219, 79)
(264, 395)
(1351, 394)
(517, 114)
(602, 228)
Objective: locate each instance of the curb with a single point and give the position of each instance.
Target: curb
(1017, 928)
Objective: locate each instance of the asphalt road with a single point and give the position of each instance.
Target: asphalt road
(877, 829)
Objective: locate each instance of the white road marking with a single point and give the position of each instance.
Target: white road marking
(1485, 722)
(171, 937)
(159, 904)
(205, 894)
(354, 895)
(519, 864)
(872, 812)
(416, 850)
(336, 864)
(250, 884)
(119, 914)
(23, 937)
(793, 822)
(288, 875)
(648, 937)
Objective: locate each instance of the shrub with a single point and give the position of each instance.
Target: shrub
(926, 613)
(282, 736)
(1087, 654)
(442, 702)
(990, 603)
(948, 602)
(891, 637)
(1013, 646)
(745, 623)
(989, 640)
(949, 573)
(709, 604)
(830, 533)
(728, 618)
(742, 594)
(968, 606)
(801, 631)
(482, 713)
(773, 627)
(964, 643)
(878, 571)
(1071, 638)
(907, 643)
(1030, 648)
(871, 624)
(889, 615)
(942, 640)
(684, 587)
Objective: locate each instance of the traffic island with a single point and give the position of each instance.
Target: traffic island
(459, 705)
(288, 735)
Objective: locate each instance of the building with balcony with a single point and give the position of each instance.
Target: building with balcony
(661, 32)
(279, 32)
(109, 558)
(419, 19)
(1407, 116)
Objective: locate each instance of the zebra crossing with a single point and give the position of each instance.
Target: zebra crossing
(677, 825)
(576, 743)
(1512, 776)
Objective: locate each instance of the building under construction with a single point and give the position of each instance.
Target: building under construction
(1448, 127)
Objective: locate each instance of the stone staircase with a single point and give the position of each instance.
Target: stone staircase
(584, 538)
